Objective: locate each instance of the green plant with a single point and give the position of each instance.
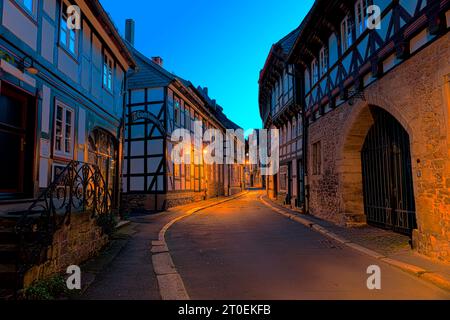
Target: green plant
(107, 222)
(47, 289)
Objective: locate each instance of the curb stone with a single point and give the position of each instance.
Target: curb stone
(170, 283)
(432, 277)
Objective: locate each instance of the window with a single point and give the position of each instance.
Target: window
(361, 16)
(346, 33)
(108, 72)
(177, 112)
(323, 61)
(64, 131)
(67, 37)
(315, 72)
(28, 5)
(317, 158)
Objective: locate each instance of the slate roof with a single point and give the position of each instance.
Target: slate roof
(150, 74)
(107, 22)
(287, 43)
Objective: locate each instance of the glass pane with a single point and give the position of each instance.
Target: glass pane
(28, 4)
(68, 117)
(72, 42)
(10, 111)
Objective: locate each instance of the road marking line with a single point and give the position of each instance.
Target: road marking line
(170, 283)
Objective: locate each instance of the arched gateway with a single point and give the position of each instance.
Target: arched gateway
(387, 175)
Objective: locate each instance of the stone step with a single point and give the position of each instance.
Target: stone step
(8, 253)
(8, 276)
(7, 236)
(8, 223)
(7, 294)
(8, 268)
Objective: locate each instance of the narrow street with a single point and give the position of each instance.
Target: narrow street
(242, 249)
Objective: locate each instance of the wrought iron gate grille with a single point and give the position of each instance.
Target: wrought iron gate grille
(387, 175)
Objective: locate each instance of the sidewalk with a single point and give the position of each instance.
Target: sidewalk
(389, 247)
(124, 270)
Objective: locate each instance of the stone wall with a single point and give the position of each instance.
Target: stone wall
(417, 94)
(72, 245)
(175, 199)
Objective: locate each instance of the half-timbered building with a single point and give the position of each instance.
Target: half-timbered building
(63, 67)
(280, 108)
(61, 93)
(375, 94)
(160, 102)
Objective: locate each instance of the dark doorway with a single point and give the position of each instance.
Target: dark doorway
(17, 142)
(103, 153)
(290, 181)
(300, 184)
(387, 175)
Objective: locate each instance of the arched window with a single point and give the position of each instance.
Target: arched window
(103, 153)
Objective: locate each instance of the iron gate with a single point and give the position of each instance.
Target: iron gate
(387, 175)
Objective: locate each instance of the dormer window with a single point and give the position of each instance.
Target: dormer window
(323, 61)
(346, 33)
(361, 16)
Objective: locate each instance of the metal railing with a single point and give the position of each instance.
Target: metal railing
(80, 187)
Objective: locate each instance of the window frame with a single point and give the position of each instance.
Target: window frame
(361, 16)
(346, 33)
(323, 61)
(314, 72)
(30, 11)
(68, 32)
(108, 67)
(62, 151)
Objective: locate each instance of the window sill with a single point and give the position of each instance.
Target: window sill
(62, 157)
(71, 55)
(110, 92)
(30, 15)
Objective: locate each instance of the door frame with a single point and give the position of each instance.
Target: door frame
(29, 168)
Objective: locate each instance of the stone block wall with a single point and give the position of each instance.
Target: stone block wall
(72, 245)
(175, 199)
(417, 94)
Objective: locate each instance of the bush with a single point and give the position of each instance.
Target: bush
(48, 289)
(108, 223)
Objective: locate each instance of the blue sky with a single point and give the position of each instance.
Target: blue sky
(220, 44)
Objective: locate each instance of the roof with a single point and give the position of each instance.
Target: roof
(286, 44)
(108, 24)
(150, 74)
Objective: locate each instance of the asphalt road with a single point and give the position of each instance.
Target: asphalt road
(243, 250)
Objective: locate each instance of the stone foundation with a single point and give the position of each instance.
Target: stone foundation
(72, 245)
(175, 199)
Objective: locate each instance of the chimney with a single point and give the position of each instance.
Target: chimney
(129, 31)
(158, 61)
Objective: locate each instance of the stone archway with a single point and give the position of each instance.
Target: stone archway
(357, 125)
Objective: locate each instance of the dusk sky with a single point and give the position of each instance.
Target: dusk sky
(218, 44)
